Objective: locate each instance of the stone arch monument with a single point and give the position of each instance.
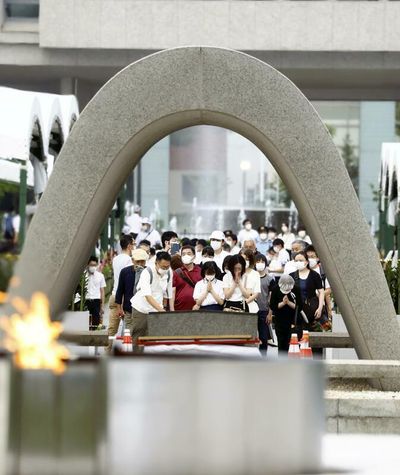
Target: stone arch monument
(188, 86)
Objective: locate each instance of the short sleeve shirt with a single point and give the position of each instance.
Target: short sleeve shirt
(201, 288)
(96, 282)
(184, 291)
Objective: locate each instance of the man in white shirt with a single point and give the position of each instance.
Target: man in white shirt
(134, 221)
(148, 233)
(232, 240)
(153, 290)
(216, 240)
(282, 255)
(286, 236)
(247, 232)
(297, 246)
(119, 262)
(96, 284)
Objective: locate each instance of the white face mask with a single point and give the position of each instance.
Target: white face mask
(276, 249)
(92, 269)
(216, 245)
(313, 262)
(260, 266)
(247, 226)
(271, 236)
(162, 272)
(263, 236)
(302, 234)
(300, 265)
(186, 259)
(285, 290)
(210, 278)
(207, 259)
(284, 229)
(229, 242)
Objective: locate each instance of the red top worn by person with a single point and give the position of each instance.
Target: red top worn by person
(185, 279)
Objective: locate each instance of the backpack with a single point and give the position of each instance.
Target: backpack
(150, 271)
(9, 232)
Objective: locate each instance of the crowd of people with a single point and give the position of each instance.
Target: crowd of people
(277, 276)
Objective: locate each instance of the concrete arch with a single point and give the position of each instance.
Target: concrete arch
(188, 86)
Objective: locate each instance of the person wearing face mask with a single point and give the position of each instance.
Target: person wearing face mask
(119, 262)
(302, 235)
(271, 233)
(251, 280)
(274, 266)
(309, 284)
(249, 244)
(96, 284)
(233, 284)
(262, 243)
(232, 240)
(315, 265)
(285, 304)
(247, 232)
(286, 236)
(208, 292)
(267, 283)
(297, 246)
(201, 244)
(216, 240)
(148, 233)
(154, 292)
(282, 254)
(127, 285)
(185, 279)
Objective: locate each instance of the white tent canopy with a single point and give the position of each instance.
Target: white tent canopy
(24, 114)
(390, 180)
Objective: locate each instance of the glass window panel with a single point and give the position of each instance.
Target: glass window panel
(22, 8)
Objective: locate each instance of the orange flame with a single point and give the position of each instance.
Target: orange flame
(32, 336)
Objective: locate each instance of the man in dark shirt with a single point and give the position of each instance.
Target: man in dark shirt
(128, 279)
(185, 279)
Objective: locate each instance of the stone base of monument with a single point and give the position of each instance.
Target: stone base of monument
(163, 415)
(202, 323)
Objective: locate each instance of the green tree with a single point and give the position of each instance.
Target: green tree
(350, 160)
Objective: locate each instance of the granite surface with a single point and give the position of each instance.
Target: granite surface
(203, 85)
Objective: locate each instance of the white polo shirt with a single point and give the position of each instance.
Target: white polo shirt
(200, 289)
(119, 262)
(96, 281)
(219, 258)
(159, 288)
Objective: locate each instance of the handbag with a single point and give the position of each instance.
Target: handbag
(240, 306)
(323, 323)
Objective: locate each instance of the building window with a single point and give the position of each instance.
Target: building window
(22, 9)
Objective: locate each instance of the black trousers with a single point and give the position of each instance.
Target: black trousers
(263, 329)
(93, 306)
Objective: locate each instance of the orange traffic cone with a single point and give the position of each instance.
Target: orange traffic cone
(294, 350)
(127, 341)
(305, 349)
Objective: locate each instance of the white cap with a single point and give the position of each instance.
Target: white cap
(146, 221)
(217, 235)
(139, 255)
(126, 229)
